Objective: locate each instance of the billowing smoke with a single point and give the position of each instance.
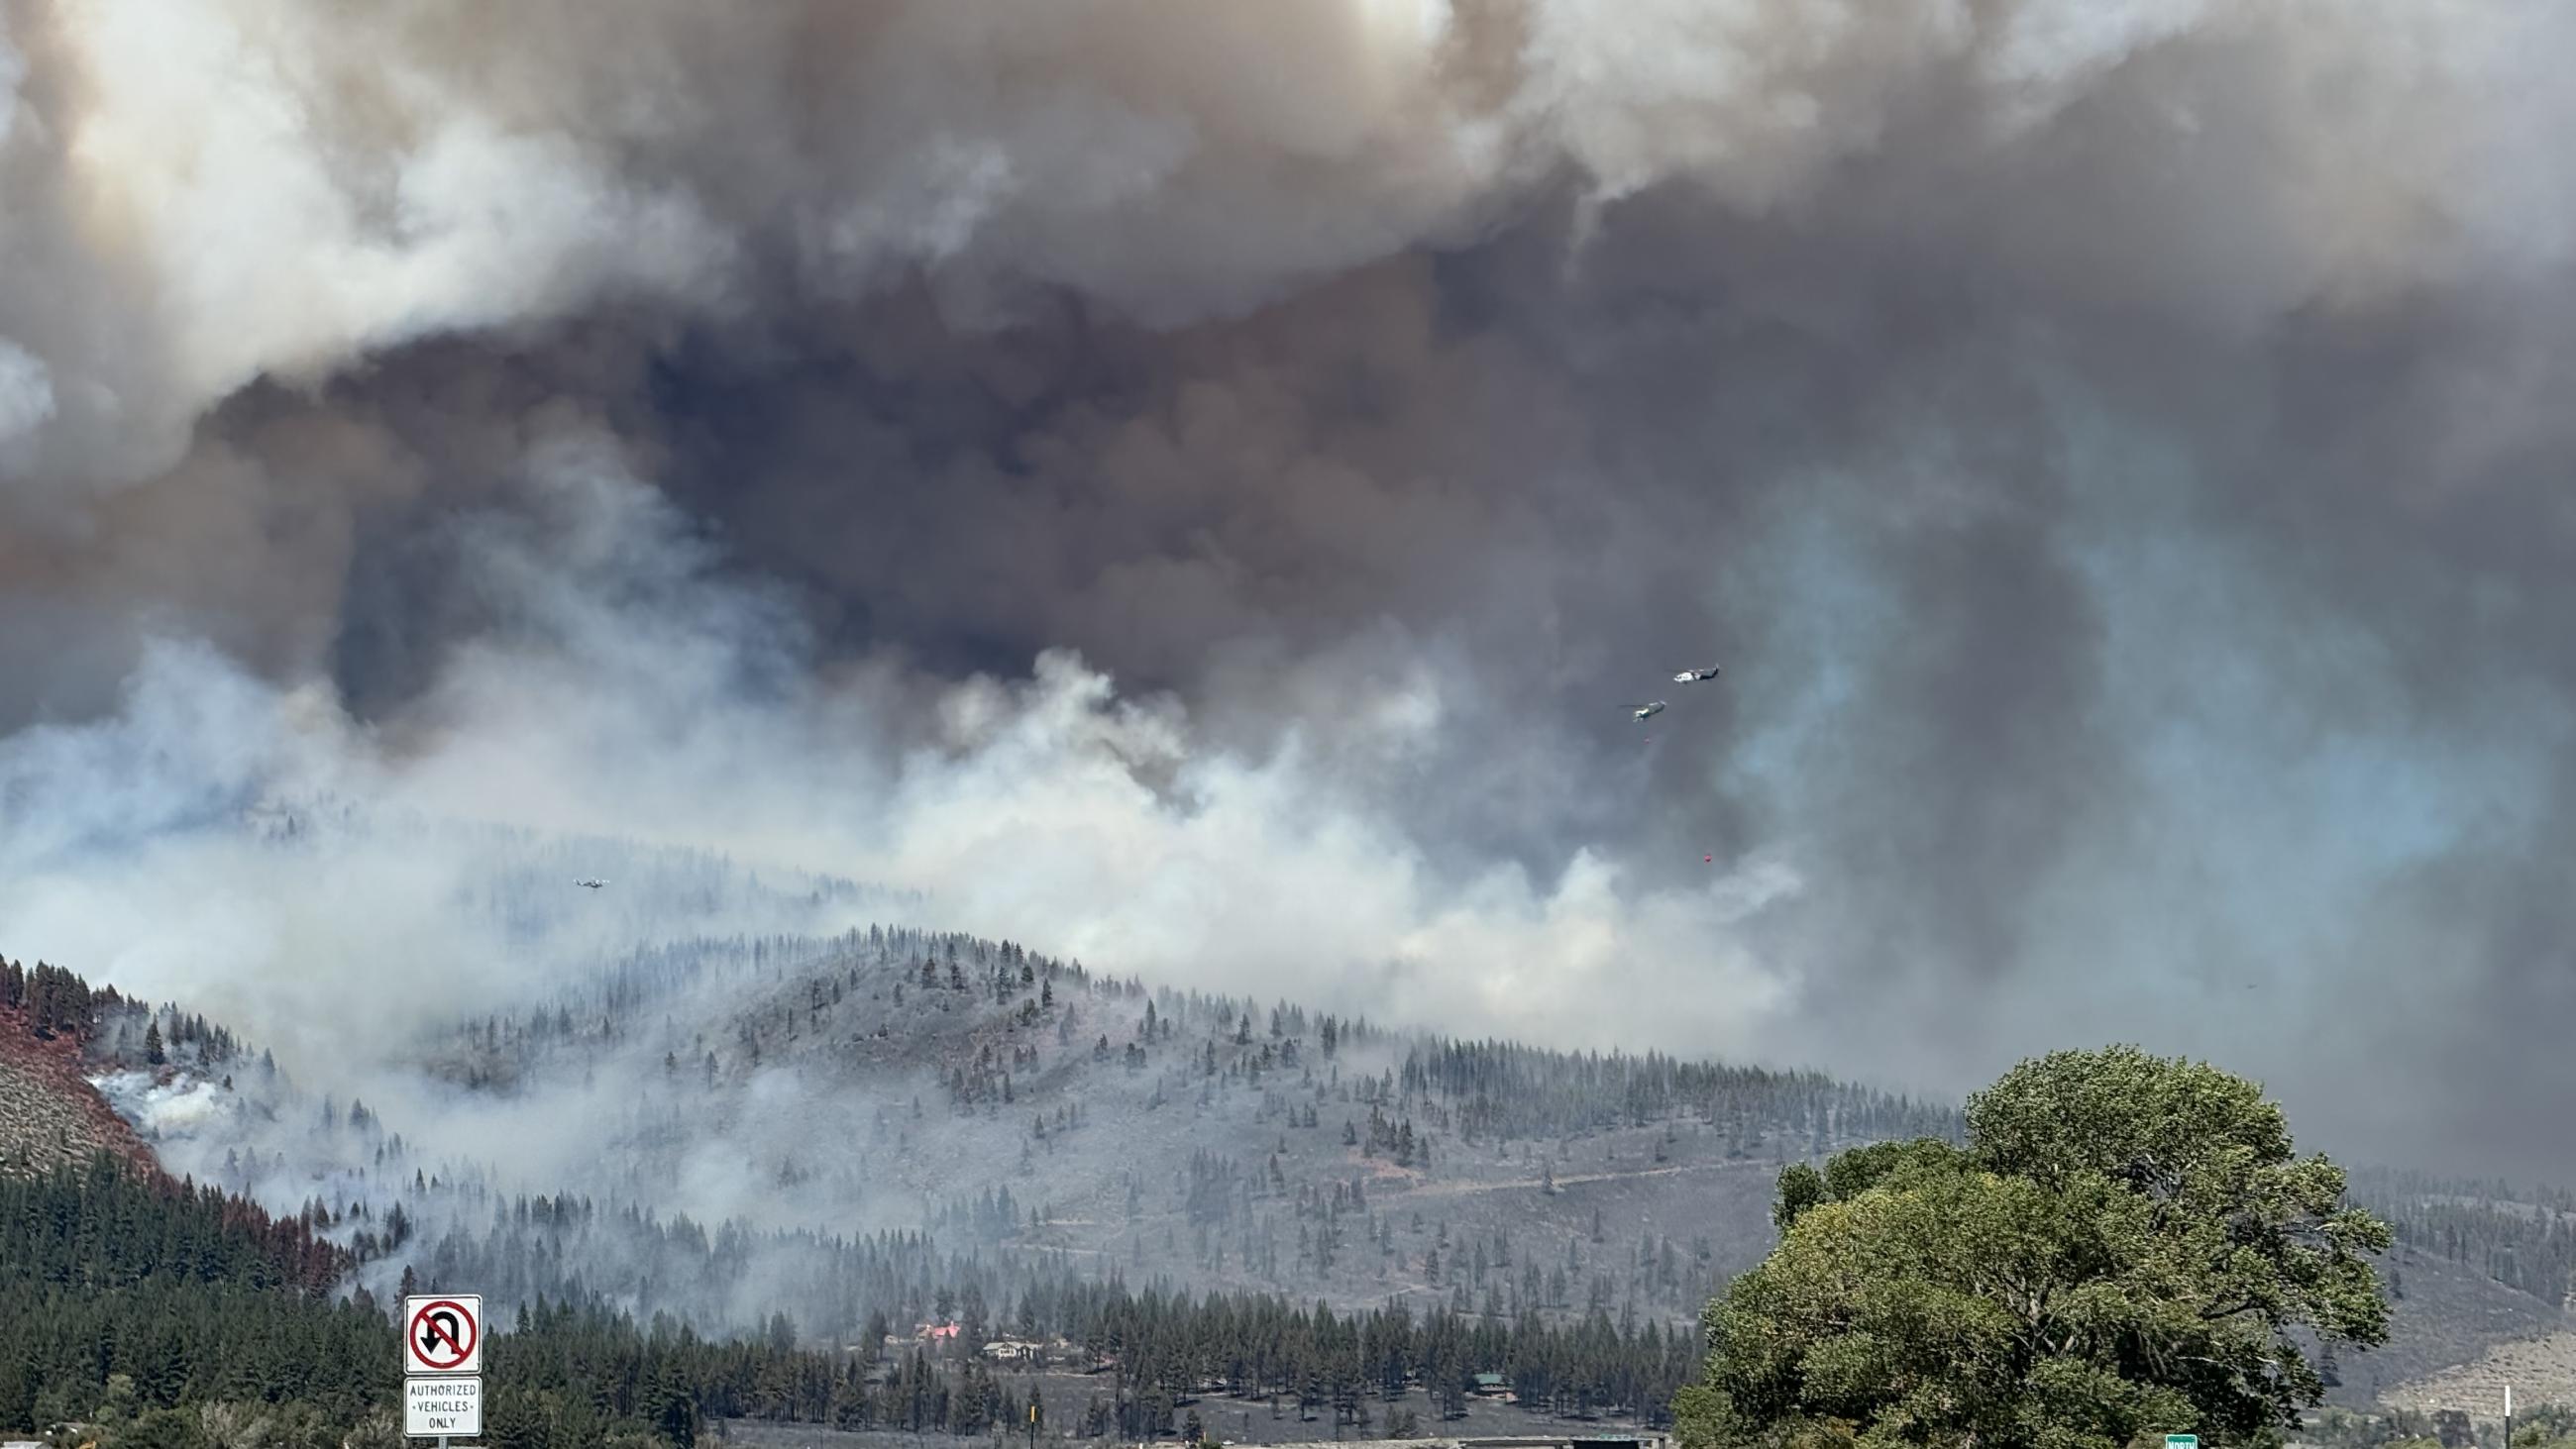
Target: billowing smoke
(630, 696)
(1198, 489)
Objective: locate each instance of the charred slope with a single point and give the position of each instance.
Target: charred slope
(50, 1115)
(2444, 1314)
(2478, 1265)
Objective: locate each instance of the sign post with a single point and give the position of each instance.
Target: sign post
(442, 1366)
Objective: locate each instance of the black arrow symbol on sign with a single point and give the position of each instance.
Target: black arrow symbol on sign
(439, 1325)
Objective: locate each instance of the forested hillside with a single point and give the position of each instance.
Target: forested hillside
(50, 1115)
(152, 1309)
(159, 1314)
(757, 1125)
(159, 1311)
(2523, 1237)
(817, 1140)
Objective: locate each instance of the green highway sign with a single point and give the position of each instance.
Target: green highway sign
(2182, 1441)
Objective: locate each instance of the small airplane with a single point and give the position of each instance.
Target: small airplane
(1694, 676)
(590, 884)
(1643, 711)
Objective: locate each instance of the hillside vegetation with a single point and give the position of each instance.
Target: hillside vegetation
(751, 1102)
(818, 1134)
(50, 1115)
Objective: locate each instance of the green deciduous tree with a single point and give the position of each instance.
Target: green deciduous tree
(2121, 1248)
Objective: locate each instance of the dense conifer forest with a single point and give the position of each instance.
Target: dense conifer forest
(149, 1306)
(134, 1301)
(163, 1312)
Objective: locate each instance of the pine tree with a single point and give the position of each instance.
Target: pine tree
(671, 1406)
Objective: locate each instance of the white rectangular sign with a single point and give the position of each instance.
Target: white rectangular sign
(443, 1333)
(439, 1408)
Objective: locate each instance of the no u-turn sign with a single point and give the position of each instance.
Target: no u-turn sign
(443, 1335)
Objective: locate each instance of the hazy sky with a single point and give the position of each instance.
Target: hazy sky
(1199, 489)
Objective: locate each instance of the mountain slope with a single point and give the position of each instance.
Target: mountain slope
(916, 1125)
(2448, 1315)
(2480, 1281)
(50, 1114)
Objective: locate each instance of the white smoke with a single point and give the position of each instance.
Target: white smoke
(1049, 811)
(26, 393)
(288, 286)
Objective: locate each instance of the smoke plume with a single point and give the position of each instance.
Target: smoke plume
(1200, 489)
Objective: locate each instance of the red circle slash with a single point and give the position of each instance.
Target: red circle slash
(442, 1324)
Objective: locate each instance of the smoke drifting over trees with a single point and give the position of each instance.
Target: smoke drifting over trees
(1193, 491)
(733, 1129)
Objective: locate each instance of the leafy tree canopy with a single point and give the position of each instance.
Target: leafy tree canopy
(2120, 1249)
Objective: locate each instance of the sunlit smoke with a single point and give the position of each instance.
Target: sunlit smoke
(1200, 488)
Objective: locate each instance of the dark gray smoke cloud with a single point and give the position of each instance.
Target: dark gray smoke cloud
(2118, 450)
